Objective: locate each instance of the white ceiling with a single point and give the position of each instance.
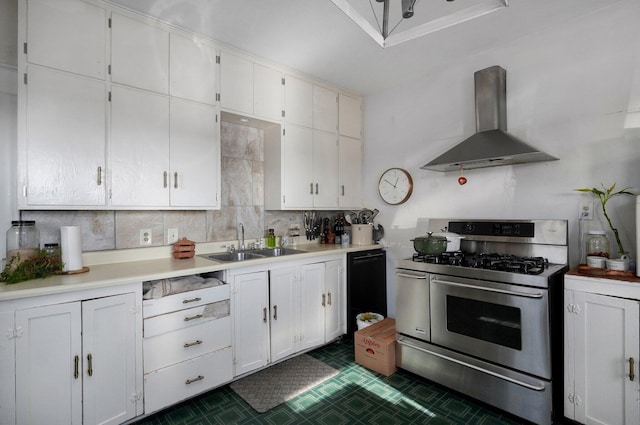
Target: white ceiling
(317, 38)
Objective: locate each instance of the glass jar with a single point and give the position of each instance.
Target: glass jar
(53, 251)
(23, 240)
(271, 239)
(597, 244)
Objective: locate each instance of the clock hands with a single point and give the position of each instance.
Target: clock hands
(394, 186)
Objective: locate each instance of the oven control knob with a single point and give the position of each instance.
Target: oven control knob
(468, 228)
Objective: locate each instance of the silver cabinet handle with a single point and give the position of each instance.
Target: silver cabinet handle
(175, 180)
(264, 315)
(189, 318)
(191, 344)
(342, 187)
(329, 298)
(632, 375)
(311, 188)
(316, 188)
(191, 381)
(99, 175)
(90, 365)
(76, 367)
(165, 179)
(324, 297)
(275, 312)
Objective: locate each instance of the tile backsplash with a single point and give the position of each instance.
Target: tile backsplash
(242, 198)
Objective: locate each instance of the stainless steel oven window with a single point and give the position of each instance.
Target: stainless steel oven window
(495, 323)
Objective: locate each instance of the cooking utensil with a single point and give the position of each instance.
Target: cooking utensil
(430, 245)
(453, 240)
(378, 233)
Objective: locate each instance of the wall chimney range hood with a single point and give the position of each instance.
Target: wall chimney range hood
(491, 145)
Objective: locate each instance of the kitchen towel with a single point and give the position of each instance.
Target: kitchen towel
(71, 247)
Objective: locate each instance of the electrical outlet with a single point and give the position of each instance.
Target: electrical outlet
(172, 235)
(585, 211)
(145, 237)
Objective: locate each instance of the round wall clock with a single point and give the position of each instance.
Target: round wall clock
(395, 186)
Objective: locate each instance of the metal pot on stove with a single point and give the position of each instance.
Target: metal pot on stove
(453, 240)
(430, 244)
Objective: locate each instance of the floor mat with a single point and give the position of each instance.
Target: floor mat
(274, 385)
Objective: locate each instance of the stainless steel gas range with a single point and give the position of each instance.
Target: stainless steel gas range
(487, 321)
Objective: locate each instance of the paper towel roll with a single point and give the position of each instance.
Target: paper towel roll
(71, 247)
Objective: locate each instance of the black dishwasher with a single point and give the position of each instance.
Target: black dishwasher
(366, 285)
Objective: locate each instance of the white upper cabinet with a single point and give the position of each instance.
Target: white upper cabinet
(350, 173)
(139, 54)
(325, 169)
(139, 148)
(194, 155)
(350, 116)
(325, 109)
(267, 93)
(68, 35)
(250, 89)
(297, 168)
(193, 69)
(64, 143)
(298, 101)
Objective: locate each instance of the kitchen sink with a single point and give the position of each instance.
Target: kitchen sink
(277, 252)
(251, 255)
(234, 256)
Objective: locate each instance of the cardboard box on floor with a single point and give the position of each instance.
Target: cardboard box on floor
(375, 346)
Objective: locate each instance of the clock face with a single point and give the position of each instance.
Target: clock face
(395, 186)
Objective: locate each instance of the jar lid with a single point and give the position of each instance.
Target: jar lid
(51, 245)
(23, 223)
(597, 232)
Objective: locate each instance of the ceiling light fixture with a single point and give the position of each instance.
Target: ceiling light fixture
(385, 36)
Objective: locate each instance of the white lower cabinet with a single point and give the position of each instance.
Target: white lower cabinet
(76, 362)
(602, 349)
(285, 310)
(187, 345)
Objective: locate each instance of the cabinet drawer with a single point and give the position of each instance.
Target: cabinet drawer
(173, 347)
(173, 384)
(184, 300)
(185, 318)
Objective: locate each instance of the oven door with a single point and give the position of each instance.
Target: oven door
(500, 323)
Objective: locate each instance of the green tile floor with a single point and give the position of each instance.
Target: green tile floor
(355, 396)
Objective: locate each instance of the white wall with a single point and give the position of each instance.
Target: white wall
(572, 91)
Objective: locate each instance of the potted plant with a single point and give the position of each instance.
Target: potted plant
(604, 196)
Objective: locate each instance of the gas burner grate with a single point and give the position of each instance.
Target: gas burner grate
(500, 262)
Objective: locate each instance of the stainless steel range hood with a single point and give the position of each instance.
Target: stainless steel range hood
(491, 145)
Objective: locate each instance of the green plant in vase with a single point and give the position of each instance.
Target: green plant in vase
(604, 196)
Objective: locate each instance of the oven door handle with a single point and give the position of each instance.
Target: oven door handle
(412, 276)
(482, 288)
(540, 387)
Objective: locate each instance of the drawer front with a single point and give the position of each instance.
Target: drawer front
(184, 300)
(177, 346)
(173, 384)
(185, 318)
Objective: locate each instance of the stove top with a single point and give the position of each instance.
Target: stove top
(494, 261)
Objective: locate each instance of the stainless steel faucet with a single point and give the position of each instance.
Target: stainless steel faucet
(242, 237)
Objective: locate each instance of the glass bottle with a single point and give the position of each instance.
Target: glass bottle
(23, 240)
(271, 239)
(598, 244)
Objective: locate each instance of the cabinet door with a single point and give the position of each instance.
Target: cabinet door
(350, 116)
(109, 358)
(236, 83)
(284, 315)
(65, 139)
(350, 173)
(267, 93)
(139, 148)
(325, 109)
(67, 34)
(298, 101)
(193, 69)
(334, 309)
(250, 304)
(49, 366)
(194, 154)
(298, 167)
(313, 303)
(606, 337)
(325, 169)
(139, 54)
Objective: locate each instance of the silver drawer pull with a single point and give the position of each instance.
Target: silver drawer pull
(197, 316)
(192, 300)
(191, 344)
(191, 381)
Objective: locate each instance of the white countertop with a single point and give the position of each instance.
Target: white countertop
(138, 270)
